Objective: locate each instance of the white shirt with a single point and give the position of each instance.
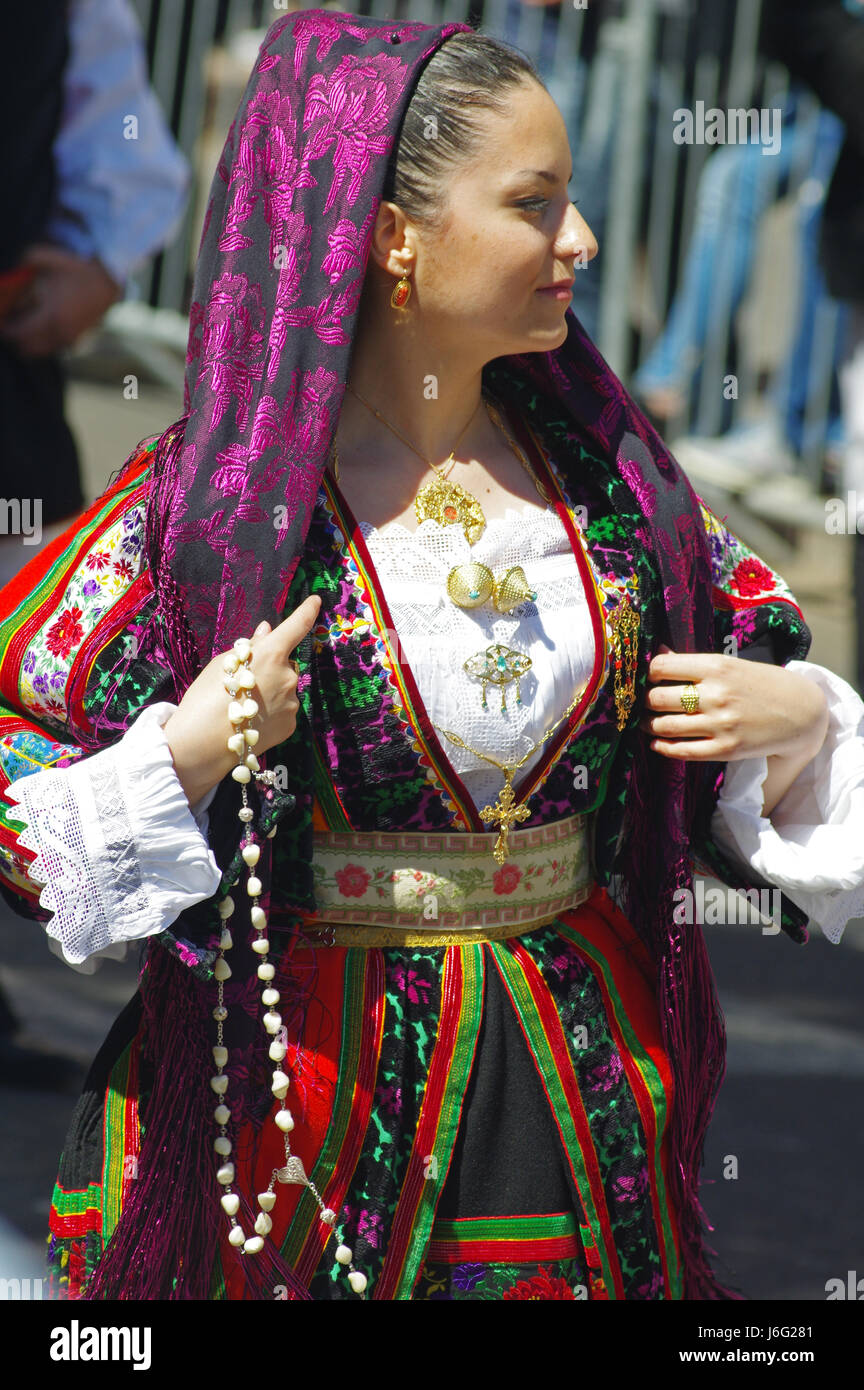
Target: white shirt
(121, 188)
(122, 854)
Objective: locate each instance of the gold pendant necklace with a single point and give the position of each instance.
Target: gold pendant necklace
(443, 501)
(506, 811)
(448, 503)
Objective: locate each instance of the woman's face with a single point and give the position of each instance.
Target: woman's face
(508, 231)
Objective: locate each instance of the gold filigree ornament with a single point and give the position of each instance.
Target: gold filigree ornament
(449, 504)
(498, 665)
(473, 584)
(625, 621)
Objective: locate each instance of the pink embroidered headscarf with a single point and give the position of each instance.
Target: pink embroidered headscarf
(277, 287)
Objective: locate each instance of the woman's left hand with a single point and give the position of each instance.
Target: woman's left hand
(747, 709)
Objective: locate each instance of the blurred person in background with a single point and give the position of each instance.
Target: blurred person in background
(94, 185)
(85, 205)
(822, 43)
(736, 187)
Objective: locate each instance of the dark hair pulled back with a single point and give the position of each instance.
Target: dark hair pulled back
(467, 74)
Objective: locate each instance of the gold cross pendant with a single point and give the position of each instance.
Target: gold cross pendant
(504, 814)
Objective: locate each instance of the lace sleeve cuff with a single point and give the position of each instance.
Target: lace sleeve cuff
(812, 847)
(118, 849)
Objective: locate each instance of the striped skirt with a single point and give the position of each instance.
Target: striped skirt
(489, 1121)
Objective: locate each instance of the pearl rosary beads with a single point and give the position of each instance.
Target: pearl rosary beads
(239, 682)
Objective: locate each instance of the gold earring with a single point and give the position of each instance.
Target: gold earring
(401, 292)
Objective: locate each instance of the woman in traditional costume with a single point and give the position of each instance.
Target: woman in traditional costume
(436, 1020)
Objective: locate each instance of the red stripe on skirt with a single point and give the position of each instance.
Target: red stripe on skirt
(611, 930)
(454, 1252)
(361, 1109)
(427, 1126)
(554, 1031)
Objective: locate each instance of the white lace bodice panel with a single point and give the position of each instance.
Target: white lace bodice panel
(436, 636)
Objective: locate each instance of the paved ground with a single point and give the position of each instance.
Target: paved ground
(789, 1113)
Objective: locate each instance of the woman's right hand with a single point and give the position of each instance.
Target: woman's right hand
(199, 729)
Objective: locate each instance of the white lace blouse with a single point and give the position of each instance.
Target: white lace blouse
(121, 853)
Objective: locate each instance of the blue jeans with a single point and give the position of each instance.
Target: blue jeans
(737, 185)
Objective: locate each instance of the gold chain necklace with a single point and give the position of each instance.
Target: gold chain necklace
(496, 416)
(444, 501)
(449, 502)
(505, 813)
(436, 467)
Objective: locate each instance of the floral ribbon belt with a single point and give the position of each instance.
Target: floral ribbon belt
(421, 889)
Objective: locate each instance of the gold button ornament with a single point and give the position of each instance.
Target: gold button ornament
(473, 584)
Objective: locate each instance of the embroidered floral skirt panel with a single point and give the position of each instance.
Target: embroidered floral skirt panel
(488, 1119)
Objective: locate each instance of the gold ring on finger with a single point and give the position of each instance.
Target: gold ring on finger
(690, 699)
